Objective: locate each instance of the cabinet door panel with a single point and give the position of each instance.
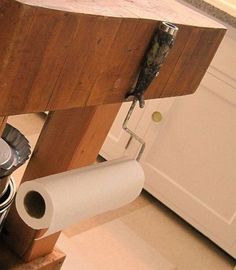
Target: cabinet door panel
(190, 162)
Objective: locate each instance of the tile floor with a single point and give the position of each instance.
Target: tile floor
(142, 235)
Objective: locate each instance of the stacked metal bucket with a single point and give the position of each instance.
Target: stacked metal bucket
(14, 151)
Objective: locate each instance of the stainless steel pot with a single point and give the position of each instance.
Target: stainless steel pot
(6, 200)
(14, 150)
(6, 161)
(4, 185)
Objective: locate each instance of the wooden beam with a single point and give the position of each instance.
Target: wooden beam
(3, 121)
(63, 54)
(10, 261)
(69, 139)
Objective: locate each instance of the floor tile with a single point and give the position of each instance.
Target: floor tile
(114, 246)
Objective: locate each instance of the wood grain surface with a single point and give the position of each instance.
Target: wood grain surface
(152, 9)
(69, 139)
(10, 261)
(3, 121)
(66, 54)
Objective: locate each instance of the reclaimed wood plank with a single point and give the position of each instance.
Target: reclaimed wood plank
(3, 121)
(10, 261)
(64, 54)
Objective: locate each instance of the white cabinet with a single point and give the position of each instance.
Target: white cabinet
(190, 158)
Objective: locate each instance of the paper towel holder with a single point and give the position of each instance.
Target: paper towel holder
(132, 133)
(160, 45)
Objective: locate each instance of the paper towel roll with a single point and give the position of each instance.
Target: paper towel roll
(59, 201)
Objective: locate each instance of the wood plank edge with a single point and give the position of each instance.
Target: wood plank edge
(10, 261)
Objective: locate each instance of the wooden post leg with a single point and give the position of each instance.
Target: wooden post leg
(3, 121)
(69, 139)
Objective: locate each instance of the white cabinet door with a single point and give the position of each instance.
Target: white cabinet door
(190, 161)
(190, 158)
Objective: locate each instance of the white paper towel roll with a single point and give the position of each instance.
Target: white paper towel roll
(59, 201)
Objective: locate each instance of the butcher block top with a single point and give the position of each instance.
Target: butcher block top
(169, 10)
(61, 54)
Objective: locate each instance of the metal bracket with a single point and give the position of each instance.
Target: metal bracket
(132, 134)
(160, 46)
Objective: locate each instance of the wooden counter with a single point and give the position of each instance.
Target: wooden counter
(64, 54)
